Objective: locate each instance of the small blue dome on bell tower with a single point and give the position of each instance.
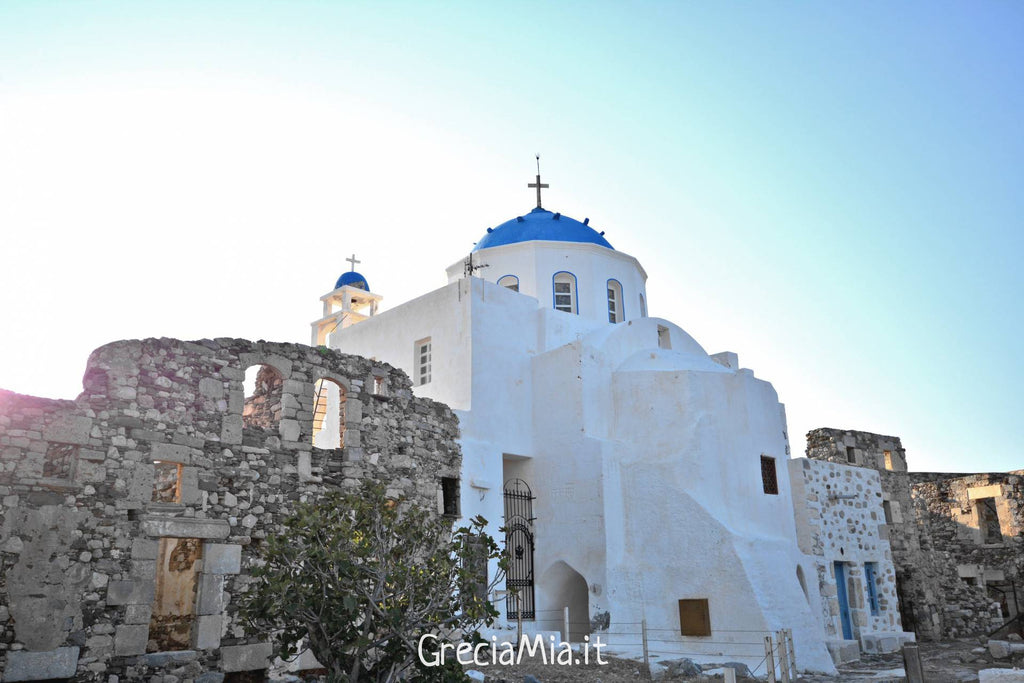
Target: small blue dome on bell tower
(352, 279)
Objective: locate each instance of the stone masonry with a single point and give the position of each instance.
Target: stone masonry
(131, 514)
(930, 532)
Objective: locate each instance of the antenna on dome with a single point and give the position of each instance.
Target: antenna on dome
(538, 184)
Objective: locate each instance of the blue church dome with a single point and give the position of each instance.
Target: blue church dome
(352, 279)
(541, 224)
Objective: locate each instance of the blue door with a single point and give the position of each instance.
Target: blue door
(844, 604)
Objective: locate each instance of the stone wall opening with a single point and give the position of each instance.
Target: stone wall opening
(988, 521)
(166, 482)
(174, 606)
(264, 387)
(329, 399)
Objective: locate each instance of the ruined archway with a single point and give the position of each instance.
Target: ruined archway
(565, 587)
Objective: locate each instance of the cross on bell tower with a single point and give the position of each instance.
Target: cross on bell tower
(538, 184)
(353, 261)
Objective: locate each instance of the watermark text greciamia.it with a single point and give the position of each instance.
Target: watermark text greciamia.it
(508, 654)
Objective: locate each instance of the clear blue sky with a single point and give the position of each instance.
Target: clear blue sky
(832, 190)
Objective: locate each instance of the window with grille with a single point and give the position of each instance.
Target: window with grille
(59, 460)
(769, 478)
(615, 312)
(424, 355)
(565, 292)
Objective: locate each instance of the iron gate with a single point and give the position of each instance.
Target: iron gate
(519, 546)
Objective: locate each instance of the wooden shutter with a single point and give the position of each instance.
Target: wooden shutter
(694, 618)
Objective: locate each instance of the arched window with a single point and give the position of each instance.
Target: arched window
(565, 292)
(329, 414)
(509, 282)
(643, 306)
(616, 314)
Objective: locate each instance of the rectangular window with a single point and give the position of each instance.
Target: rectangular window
(59, 460)
(872, 588)
(888, 459)
(166, 482)
(694, 617)
(613, 306)
(664, 340)
(988, 521)
(887, 511)
(563, 296)
(851, 456)
(769, 479)
(423, 352)
(450, 496)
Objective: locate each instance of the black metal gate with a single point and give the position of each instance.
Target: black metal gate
(519, 546)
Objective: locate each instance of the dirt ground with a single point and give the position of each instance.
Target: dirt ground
(945, 662)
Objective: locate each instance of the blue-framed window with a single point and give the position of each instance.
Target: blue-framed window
(509, 282)
(872, 588)
(564, 292)
(616, 304)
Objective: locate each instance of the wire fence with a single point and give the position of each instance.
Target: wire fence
(773, 650)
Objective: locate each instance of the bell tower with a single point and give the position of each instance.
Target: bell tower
(350, 302)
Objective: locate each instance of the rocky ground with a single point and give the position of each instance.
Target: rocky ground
(946, 662)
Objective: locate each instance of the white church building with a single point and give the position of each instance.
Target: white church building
(638, 477)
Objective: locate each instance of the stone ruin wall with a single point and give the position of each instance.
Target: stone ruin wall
(934, 602)
(838, 513)
(81, 536)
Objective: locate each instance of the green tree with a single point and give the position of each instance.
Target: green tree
(358, 578)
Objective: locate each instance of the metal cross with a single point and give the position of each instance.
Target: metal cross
(538, 184)
(353, 261)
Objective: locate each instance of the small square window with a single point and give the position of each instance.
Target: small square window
(60, 460)
(694, 617)
(450, 496)
(769, 478)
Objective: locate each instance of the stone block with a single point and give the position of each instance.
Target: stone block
(211, 594)
(130, 592)
(138, 614)
(290, 430)
(208, 630)
(185, 527)
(222, 558)
(1001, 676)
(190, 493)
(69, 429)
(210, 677)
(171, 452)
(131, 640)
(999, 649)
(246, 657)
(211, 388)
(144, 549)
(176, 658)
(40, 666)
(843, 651)
(231, 428)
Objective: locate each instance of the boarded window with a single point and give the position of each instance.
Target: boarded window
(694, 618)
(450, 496)
(60, 457)
(166, 482)
(769, 478)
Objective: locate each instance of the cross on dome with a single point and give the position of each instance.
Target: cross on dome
(538, 184)
(353, 261)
